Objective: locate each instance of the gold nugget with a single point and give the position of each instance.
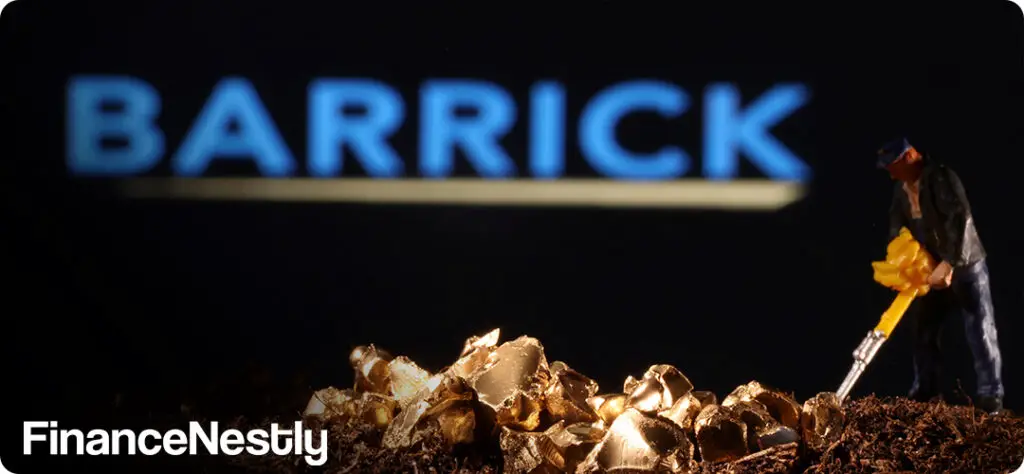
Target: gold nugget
(661, 386)
(457, 423)
(763, 431)
(676, 384)
(343, 405)
(630, 384)
(684, 411)
(513, 382)
(721, 434)
(706, 398)
(530, 452)
(608, 407)
(406, 379)
(782, 407)
(575, 441)
(443, 393)
(371, 366)
(567, 394)
(636, 442)
(823, 420)
(559, 448)
(332, 403)
(475, 354)
(377, 409)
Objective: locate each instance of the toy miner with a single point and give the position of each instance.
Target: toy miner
(930, 201)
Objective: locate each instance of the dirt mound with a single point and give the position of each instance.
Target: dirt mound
(898, 435)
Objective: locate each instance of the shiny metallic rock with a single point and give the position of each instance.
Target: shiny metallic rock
(763, 431)
(332, 403)
(445, 402)
(406, 379)
(636, 442)
(344, 405)
(560, 448)
(823, 420)
(676, 384)
(475, 354)
(721, 434)
(457, 423)
(576, 441)
(608, 406)
(782, 407)
(566, 395)
(777, 435)
(660, 387)
(513, 382)
(630, 384)
(531, 452)
(706, 398)
(376, 409)
(409, 426)
(371, 366)
(684, 411)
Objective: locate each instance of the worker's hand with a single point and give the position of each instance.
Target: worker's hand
(942, 276)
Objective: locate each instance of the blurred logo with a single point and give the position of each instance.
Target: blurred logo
(113, 131)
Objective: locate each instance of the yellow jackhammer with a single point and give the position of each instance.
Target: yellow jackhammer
(906, 269)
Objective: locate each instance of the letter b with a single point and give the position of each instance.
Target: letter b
(88, 124)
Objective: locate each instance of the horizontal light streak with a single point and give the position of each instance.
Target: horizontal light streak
(740, 195)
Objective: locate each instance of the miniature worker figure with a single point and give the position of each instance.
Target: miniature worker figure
(930, 201)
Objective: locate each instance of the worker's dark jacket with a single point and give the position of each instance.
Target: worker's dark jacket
(948, 228)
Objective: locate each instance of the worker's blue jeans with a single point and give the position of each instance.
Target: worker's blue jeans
(968, 297)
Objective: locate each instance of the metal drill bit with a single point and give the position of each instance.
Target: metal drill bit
(863, 356)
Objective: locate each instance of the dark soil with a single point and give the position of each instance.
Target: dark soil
(897, 435)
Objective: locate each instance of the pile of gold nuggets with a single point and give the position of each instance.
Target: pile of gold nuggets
(548, 418)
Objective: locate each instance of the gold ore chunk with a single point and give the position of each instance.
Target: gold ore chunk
(706, 398)
(630, 384)
(475, 353)
(661, 386)
(441, 404)
(782, 407)
(823, 420)
(377, 409)
(646, 396)
(343, 405)
(721, 434)
(575, 441)
(558, 449)
(457, 423)
(636, 442)
(406, 379)
(567, 394)
(513, 381)
(332, 403)
(608, 406)
(531, 452)
(763, 431)
(684, 411)
(371, 366)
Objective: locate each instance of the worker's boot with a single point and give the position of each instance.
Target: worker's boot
(990, 405)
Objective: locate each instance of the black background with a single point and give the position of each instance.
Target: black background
(161, 300)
